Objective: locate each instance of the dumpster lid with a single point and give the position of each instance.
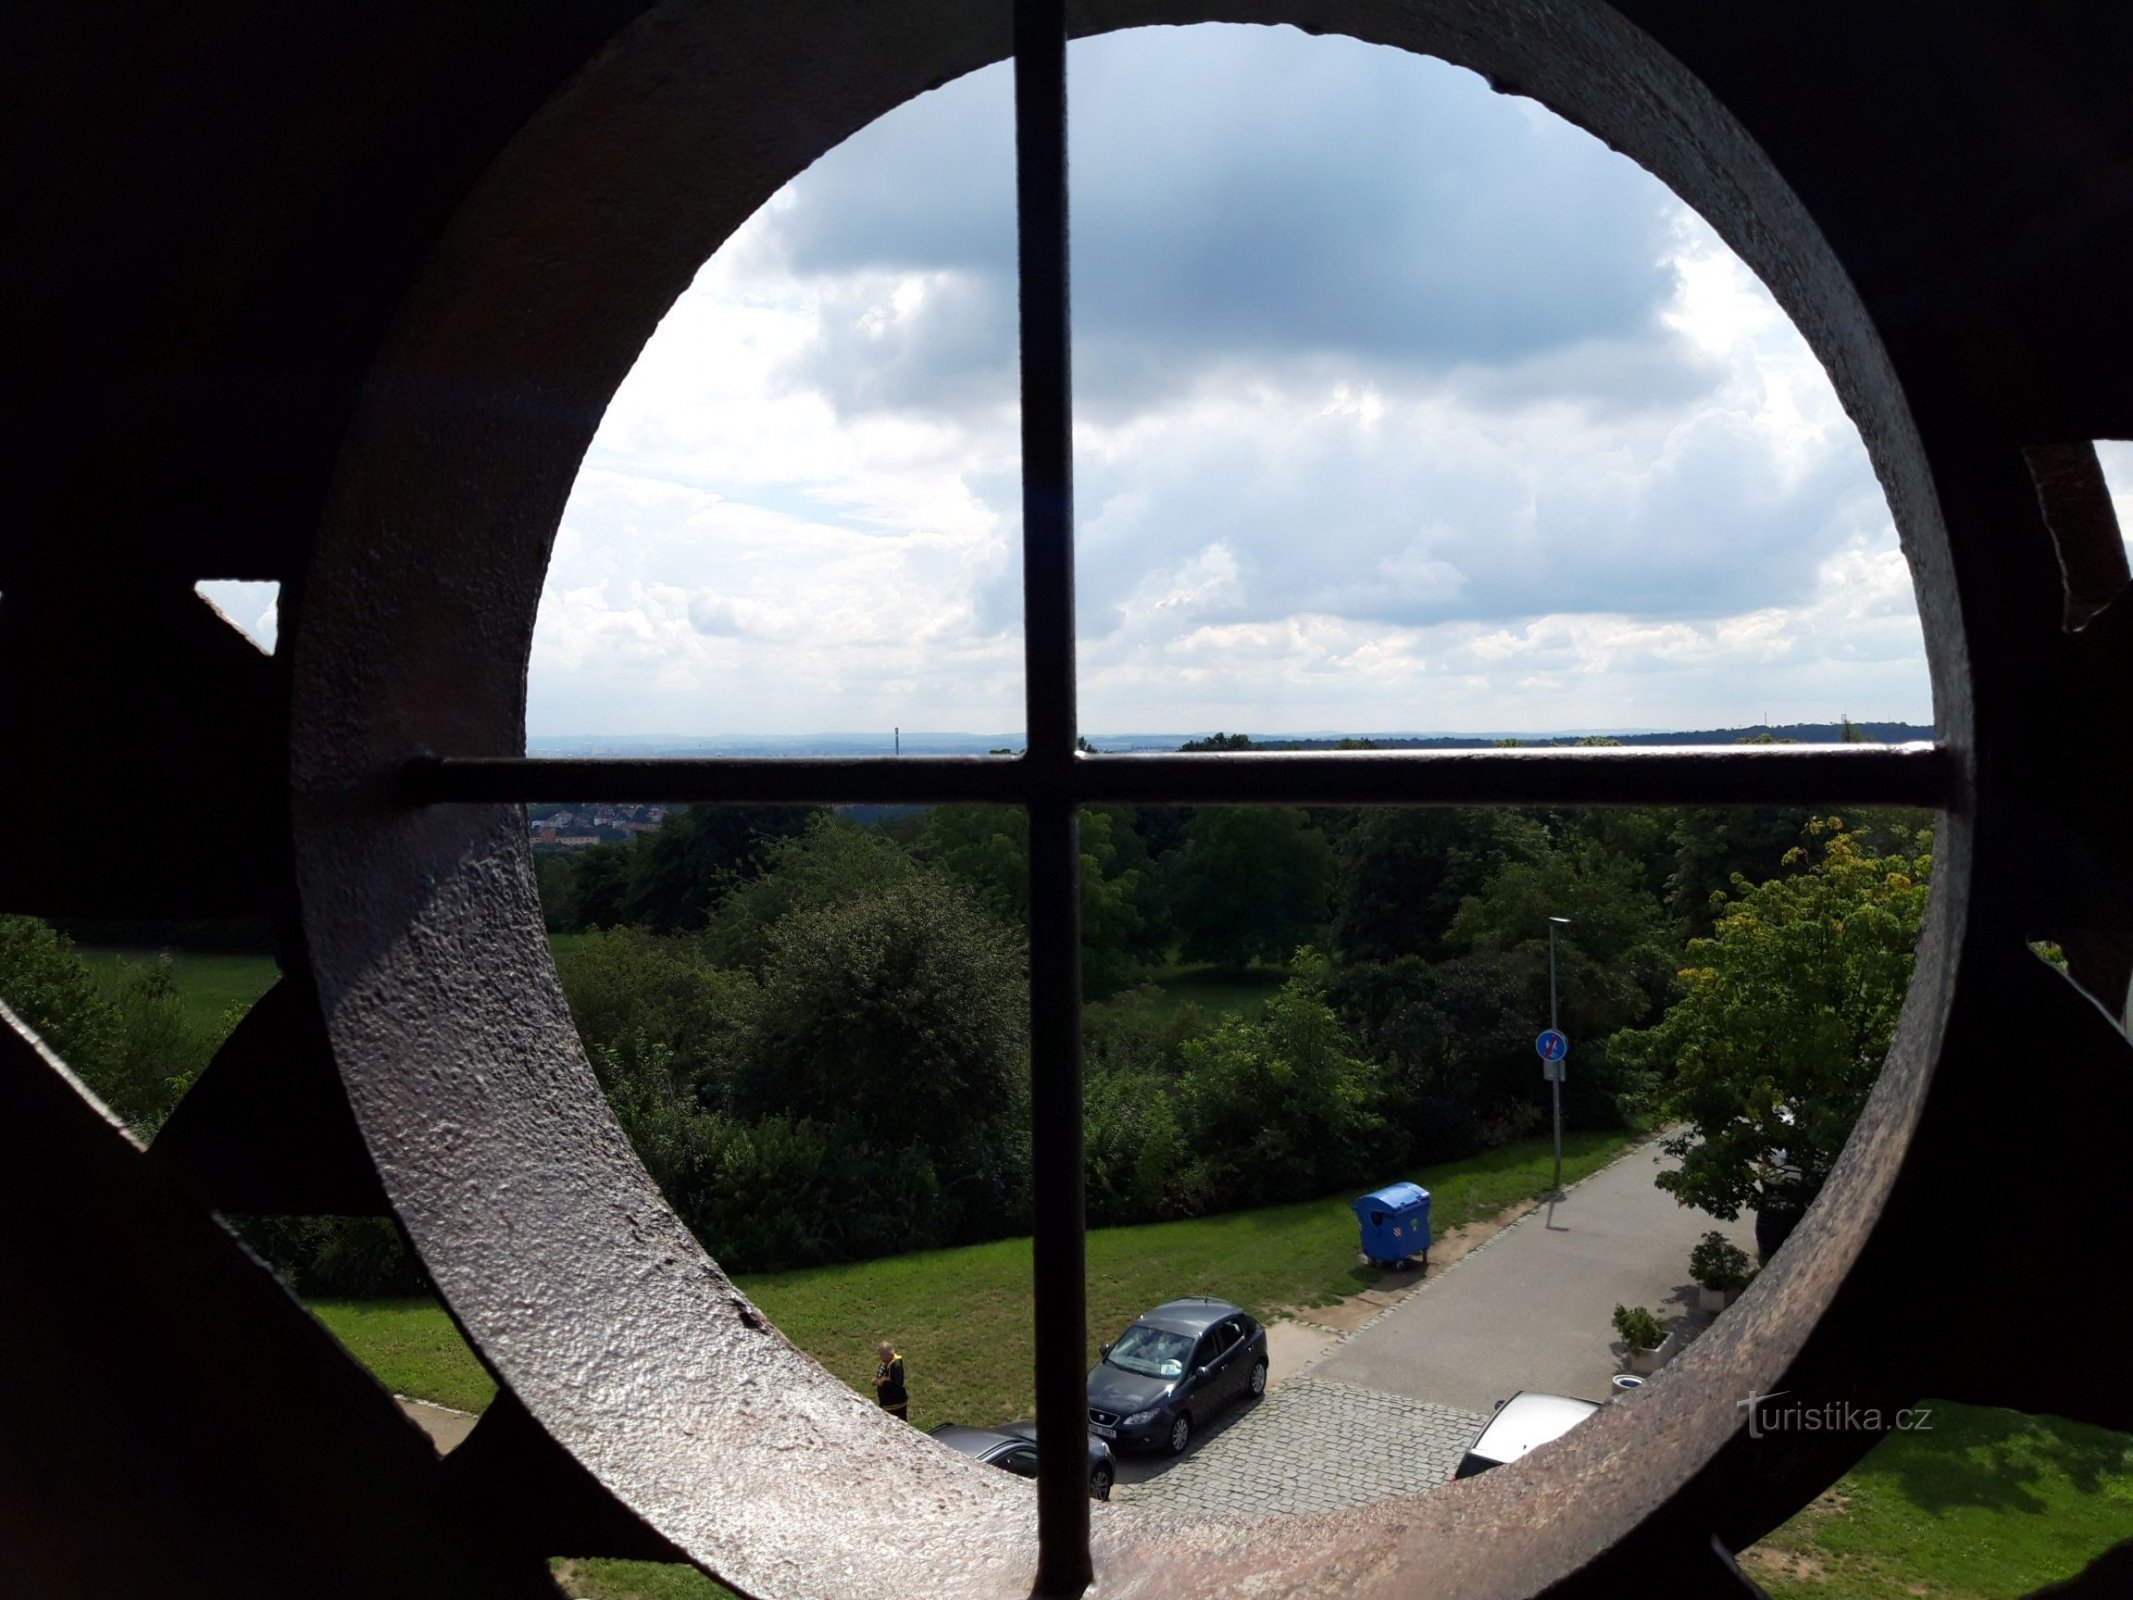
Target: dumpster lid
(1393, 1197)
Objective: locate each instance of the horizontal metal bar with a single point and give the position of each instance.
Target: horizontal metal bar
(1625, 775)
(1854, 774)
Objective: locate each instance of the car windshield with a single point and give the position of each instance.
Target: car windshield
(1152, 1352)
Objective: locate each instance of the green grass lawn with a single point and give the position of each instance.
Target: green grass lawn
(1219, 991)
(1982, 1505)
(962, 1317)
(413, 1348)
(584, 1578)
(208, 985)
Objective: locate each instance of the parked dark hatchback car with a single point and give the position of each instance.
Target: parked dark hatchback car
(1012, 1447)
(1173, 1369)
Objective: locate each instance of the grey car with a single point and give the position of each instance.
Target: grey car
(1174, 1369)
(1012, 1447)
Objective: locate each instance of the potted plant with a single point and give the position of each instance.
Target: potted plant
(1720, 1268)
(1648, 1344)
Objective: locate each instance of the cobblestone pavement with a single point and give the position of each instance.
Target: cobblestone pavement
(1313, 1445)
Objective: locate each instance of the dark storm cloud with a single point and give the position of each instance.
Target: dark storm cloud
(1237, 192)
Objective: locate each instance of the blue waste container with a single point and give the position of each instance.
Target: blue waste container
(1395, 1223)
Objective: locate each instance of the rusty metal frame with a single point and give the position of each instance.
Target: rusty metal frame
(426, 1063)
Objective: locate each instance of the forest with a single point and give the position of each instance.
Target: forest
(815, 1029)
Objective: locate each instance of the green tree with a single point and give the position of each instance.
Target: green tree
(1786, 1018)
(157, 1053)
(1642, 834)
(596, 892)
(1714, 845)
(554, 879)
(1281, 1108)
(1403, 873)
(904, 1015)
(1611, 913)
(125, 1036)
(631, 991)
(1111, 895)
(676, 875)
(986, 848)
(1251, 882)
(832, 862)
(47, 984)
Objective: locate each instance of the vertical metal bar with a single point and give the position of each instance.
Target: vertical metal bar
(1047, 384)
(1059, 1290)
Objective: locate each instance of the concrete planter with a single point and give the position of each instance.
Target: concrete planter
(1714, 1300)
(1647, 1362)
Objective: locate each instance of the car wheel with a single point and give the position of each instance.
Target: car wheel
(1259, 1381)
(1180, 1434)
(1100, 1484)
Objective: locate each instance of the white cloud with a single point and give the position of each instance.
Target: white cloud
(1643, 507)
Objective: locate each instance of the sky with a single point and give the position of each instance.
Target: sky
(1401, 405)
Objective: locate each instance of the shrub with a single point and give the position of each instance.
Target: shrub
(624, 984)
(1639, 1329)
(903, 1014)
(353, 1257)
(1135, 1152)
(1282, 1108)
(1718, 1264)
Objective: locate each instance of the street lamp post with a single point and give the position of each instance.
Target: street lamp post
(1555, 1075)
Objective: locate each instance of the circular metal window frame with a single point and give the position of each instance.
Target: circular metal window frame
(409, 638)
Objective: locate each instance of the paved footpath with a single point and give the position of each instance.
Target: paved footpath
(1531, 1309)
(1390, 1409)
(1309, 1446)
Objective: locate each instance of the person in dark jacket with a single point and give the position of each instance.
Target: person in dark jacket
(889, 1381)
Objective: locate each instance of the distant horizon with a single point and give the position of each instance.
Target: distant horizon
(968, 736)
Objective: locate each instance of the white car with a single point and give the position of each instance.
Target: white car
(1523, 1422)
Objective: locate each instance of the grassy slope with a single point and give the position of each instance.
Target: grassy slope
(1216, 990)
(962, 1316)
(1983, 1505)
(209, 985)
(412, 1347)
(584, 1578)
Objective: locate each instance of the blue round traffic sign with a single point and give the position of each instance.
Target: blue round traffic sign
(1552, 1045)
